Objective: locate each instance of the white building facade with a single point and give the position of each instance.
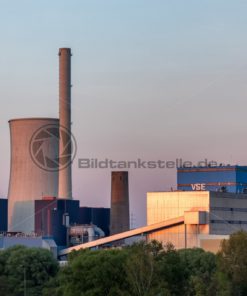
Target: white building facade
(209, 217)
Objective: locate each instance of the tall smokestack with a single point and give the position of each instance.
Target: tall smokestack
(119, 202)
(65, 179)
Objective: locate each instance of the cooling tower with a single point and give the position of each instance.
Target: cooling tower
(119, 202)
(33, 174)
(65, 179)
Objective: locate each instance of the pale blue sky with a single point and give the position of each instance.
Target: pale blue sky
(151, 79)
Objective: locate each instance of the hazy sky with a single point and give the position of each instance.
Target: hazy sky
(151, 79)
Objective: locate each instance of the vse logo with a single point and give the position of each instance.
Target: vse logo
(198, 186)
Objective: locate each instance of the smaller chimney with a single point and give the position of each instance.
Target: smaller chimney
(119, 220)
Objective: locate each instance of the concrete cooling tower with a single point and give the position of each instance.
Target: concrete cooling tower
(33, 171)
(119, 220)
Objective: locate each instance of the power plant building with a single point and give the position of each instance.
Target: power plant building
(187, 219)
(203, 217)
(213, 178)
(55, 217)
(95, 216)
(210, 204)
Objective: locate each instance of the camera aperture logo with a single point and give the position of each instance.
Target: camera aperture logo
(44, 147)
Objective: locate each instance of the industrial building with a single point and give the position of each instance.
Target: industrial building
(214, 213)
(210, 204)
(213, 178)
(96, 216)
(3, 214)
(80, 234)
(214, 197)
(187, 219)
(40, 188)
(41, 156)
(55, 217)
(12, 239)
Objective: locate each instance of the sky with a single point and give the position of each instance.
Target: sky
(155, 80)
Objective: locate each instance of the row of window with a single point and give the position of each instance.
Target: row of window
(233, 195)
(228, 222)
(244, 210)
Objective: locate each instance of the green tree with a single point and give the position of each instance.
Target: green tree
(154, 270)
(140, 268)
(22, 266)
(120, 272)
(220, 285)
(170, 271)
(199, 268)
(92, 273)
(233, 261)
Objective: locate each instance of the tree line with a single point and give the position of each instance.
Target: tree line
(143, 269)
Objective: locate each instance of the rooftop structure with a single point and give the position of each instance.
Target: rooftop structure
(213, 178)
